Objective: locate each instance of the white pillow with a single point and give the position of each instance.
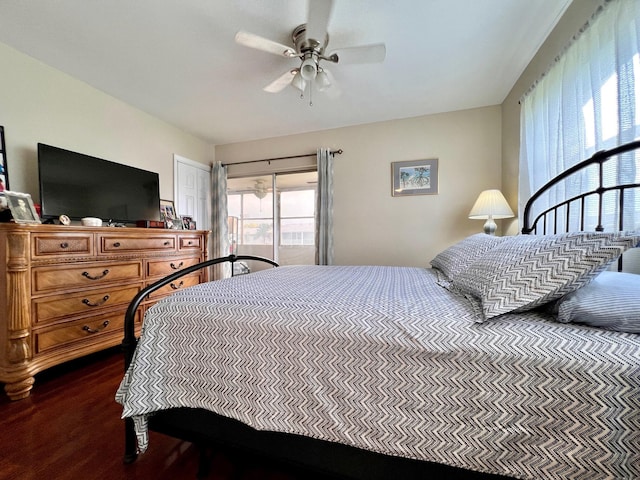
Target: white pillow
(610, 301)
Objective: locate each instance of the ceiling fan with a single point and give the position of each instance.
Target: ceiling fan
(260, 190)
(310, 42)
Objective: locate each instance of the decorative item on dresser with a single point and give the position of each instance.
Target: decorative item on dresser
(22, 208)
(67, 289)
(4, 175)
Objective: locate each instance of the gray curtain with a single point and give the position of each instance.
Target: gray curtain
(219, 225)
(324, 208)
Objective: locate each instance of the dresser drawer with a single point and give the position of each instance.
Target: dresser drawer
(96, 329)
(189, 242)
(161, 268)
(110, 244)
(73, 276)
(61, 245)
(179, 284)
(90, 302)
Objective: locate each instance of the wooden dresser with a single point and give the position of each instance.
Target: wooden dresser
(65, 289)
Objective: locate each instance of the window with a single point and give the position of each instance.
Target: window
(255, 217)
(297, 223)
(279, 225)
(588, 101)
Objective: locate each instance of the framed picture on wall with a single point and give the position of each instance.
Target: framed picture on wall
(414, 177)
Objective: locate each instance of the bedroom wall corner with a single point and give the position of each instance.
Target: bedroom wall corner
(42, 104)
(568, 25)
(371, 226)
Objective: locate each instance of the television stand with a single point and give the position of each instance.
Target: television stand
(68, 287)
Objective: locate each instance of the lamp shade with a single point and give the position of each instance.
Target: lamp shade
(309, 69)
(322, 81)
(490, 205)
(299, 82)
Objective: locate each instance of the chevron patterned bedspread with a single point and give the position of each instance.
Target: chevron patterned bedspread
(385, 359)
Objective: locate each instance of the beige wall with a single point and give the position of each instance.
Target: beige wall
(41, 104)
(371, 226)
(477, 149)
(573, 19)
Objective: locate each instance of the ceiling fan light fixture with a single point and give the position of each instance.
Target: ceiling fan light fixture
(322, 80)
(309, 69)
(299, 82)
(260, 190)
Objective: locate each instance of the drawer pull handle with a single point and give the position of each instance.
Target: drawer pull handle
(87, 302)
(116, 244)
(64, 245)
(97, 277)
(88, 329)
(176, 267)
(189, 242)
(167, 243)
(176, 287)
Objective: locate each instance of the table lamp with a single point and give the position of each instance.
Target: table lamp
(490, 205)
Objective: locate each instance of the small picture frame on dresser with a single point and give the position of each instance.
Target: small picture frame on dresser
(4, 175)
(22, 208)
(188, 223)
(168, 215)
(5, 213)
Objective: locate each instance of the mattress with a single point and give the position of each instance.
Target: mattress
(385, 359)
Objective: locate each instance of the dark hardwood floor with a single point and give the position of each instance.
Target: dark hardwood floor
(70, 428)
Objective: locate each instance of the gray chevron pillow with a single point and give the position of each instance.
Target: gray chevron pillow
(459, 256)
(527, 271)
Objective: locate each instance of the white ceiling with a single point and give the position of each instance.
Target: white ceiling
(177, 59)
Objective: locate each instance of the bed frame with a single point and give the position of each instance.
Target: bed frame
(554, 213)
(326, 459)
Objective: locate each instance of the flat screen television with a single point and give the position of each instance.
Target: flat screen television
(79, 186)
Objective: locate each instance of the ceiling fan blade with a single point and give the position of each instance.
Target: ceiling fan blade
(281, 82)
(374, 53)
(318, 19)
(255, 41)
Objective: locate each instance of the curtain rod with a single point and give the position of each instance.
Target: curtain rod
(334, 152)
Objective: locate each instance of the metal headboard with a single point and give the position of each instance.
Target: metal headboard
(598, 158)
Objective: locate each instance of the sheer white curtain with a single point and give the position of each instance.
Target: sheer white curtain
(219, 223)
(324, 208)
(588, 101)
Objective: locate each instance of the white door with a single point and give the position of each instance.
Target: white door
(193, 190)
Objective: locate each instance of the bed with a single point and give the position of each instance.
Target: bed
(480, 367)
